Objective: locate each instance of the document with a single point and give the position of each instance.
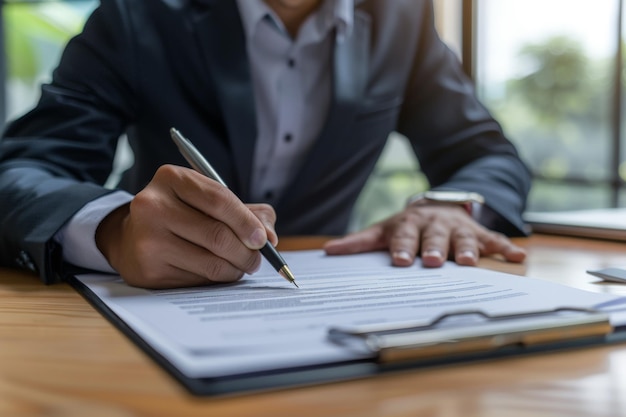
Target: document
(263, 323)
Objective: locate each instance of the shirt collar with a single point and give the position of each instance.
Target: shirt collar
(332, 13)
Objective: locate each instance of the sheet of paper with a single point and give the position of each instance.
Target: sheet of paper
(263, 322)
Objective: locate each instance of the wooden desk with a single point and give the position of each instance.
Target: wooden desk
(59, 357)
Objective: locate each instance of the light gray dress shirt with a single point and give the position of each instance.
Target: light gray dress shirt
(292, 87)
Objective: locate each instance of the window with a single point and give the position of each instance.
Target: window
(550, 71)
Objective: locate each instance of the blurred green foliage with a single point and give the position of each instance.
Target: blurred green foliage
(559, 79)
(558, 113)
(32, 30)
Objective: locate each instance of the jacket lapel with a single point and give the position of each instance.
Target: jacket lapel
(350, 71)
(222, 40)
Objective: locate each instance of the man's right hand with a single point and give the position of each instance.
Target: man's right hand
(185, 229)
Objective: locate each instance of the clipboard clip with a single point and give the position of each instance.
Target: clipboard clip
(473, 331)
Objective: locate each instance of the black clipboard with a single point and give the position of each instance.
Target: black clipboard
(575, 328)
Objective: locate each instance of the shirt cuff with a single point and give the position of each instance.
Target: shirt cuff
(78, 236)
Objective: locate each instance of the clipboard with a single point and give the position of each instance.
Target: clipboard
(405, 343)
(399, 347)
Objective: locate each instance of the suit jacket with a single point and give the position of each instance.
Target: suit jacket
(141, 67)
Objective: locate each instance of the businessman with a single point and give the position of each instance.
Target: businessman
(291, 101)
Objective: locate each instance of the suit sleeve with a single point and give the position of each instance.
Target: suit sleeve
(57, 157)
(458, 143)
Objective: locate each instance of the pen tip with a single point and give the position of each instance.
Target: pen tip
(288, 275)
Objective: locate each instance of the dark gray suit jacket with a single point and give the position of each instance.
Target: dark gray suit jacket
(141, 67)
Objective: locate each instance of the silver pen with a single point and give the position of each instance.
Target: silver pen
(200, 164)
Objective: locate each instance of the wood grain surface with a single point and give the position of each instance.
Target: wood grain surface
(59, 357)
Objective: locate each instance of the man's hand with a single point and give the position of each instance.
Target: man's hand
(184, 229)
(436, 232)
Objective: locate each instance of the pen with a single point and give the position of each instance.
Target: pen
(200, 164)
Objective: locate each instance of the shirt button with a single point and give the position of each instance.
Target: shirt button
(288, 137)
(291, 62)
(269, 195)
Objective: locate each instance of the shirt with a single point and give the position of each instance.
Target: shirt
(292, 84)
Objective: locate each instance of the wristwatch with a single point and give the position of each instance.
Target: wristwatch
(470, 201)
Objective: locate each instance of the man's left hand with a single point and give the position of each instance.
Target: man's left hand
(435, 232)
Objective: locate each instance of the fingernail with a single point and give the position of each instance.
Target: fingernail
(258, 238)
(432, 253)
(402, 254)
(468, 254)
